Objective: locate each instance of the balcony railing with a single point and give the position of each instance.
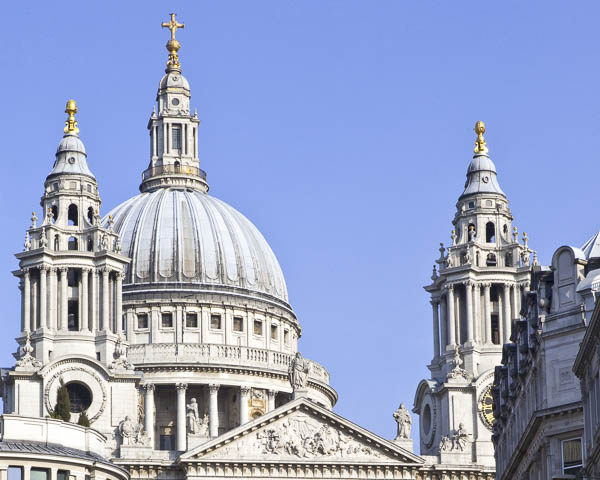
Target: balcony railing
(183, 170)
(214, 354)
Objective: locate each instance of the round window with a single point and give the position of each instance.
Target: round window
(175, 101)
(79, 397)
(426, 419)
(71, 160)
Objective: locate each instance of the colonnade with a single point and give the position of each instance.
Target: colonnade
(45, 297)
(448, 311)
(213, 410)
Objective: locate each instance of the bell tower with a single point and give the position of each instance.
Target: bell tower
(476, 290)
(71, 268)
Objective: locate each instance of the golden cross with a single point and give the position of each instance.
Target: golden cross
(173, 26)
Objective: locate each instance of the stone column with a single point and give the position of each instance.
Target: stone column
(43, 295)
(487, 317)
(436, 328)
(469, 309)
(94, 301)
(149, 412)
(52, 319)
(64, 312)
(515, 311)
(26, 301)
(84, 299)
(213, 410)
(506, 311)
(105, 301)
(244, 392)
(477, 333)
(443, 324)
(271, 394)
(119, 301)
(181, 433)
(451, 322)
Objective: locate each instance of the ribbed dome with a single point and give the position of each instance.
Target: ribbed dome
(71, 157)
(481, 177)
(186, 236)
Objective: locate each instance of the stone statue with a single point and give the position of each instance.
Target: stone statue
(132, 433)
(120, 355)
(298, 372)
(27, 244)
(460, 438)
(104, 242)
(193, 420)
(472, 233)
(203, 428)
(404, 421)
(445, 444)
(43, 239)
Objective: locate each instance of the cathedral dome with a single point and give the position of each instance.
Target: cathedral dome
(185, 236)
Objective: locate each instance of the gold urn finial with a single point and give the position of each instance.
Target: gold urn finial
(71, 123)
(480, 146)
(173, 45)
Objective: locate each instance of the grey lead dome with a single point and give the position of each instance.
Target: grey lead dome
(187, 236)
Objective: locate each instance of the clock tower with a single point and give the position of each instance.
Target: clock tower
(476, 289)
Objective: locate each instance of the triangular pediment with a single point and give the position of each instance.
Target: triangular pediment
(301, 431)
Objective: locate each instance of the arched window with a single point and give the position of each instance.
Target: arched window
(177, 166)
(56, 242)
(491, 260)
(90, 244)
(90, 215)
(72, 243)
(54, 209)
(490, 232)
(508, 261)
(72, 215)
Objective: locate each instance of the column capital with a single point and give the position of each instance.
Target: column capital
(63, 269)
(52, 270)
(434, 302)
(120, 275)
(449, 286)
(42, 267)
(86, 269)
(468, 283)
(486, 284)
(149, 387)
(245, 390)
(272, 393)
(213, 388)
(105, 270)
(181, 386)
(26, 271)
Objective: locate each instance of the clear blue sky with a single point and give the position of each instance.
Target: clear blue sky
(342, 129)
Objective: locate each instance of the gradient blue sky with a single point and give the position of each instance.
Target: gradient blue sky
(342, 129)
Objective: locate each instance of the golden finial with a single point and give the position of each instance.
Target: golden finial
(480, 146)
(71, 123)
(173, 45)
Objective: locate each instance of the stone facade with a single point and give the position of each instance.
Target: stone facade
(538, 431)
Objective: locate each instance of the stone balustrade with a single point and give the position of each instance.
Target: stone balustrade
(219, 355)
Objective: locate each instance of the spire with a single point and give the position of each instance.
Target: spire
(71, 123)
(173, 45)
(480, 146)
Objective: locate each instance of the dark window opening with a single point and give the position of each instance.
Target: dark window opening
(286, 337)
(572, 456)
(62, 475)
(495, 330)
(258, 327)
(491, 260)
(73, 315)
(72, 278)
(80, 397)
(274, 332)
(90, 215)
(54, 210)
(167, 320)
(142, 320)
(505, 229)
(56, 242)
(508, 260)
(72, 243)
(73, 215)
(490, 232)
(177, 166)
(90, 244)
(471, 204)
(167, 442)
(238, 324)
(191, 320)
(215, 321)
(176, 136)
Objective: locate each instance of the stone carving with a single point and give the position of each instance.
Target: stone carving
(303, 437)
(27, 361)
(453, 237)
(192, 417)
(120, 356)
(457, 441)
(118, 246)
(404, 421)
(43, 239)
(457, 371)
(132, 433)
(104, 242)
(27, 243)
(298, 372)
(434, 275)
(34, 220)
(472, 233)
(49, 216)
